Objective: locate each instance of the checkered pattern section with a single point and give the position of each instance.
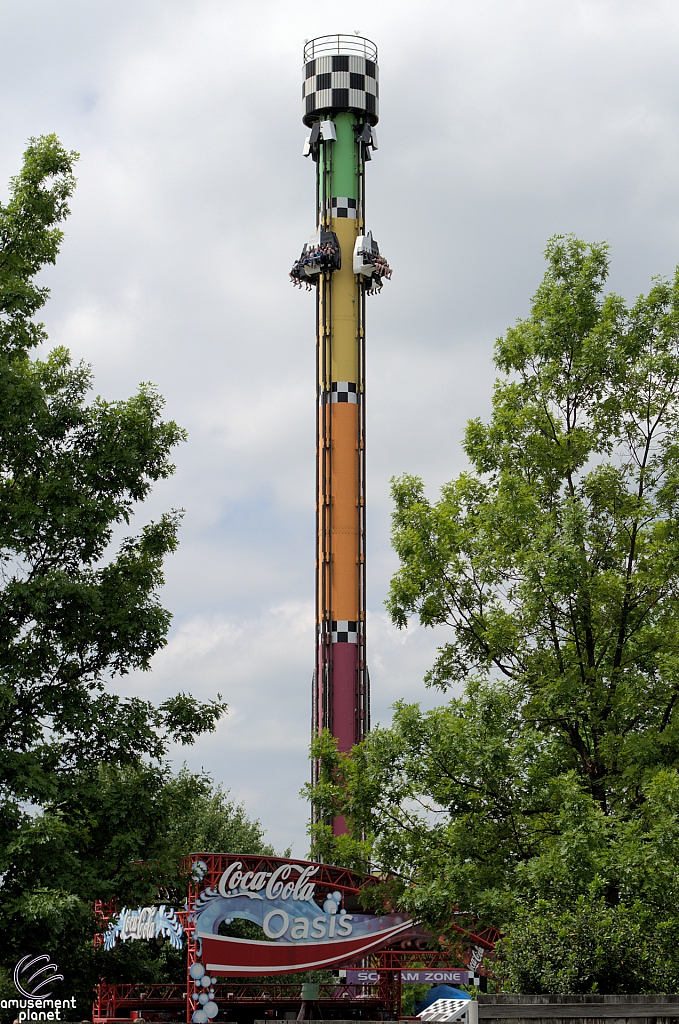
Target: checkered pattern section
(340, 83)
(343, 391)
(446, 1010)
(341, 206)
(344, 632)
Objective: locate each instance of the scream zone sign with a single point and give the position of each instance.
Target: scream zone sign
(308, 914)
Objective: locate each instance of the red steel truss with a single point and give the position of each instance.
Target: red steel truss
(119, 1002)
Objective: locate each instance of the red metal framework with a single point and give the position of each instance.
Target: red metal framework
(238, 998)
(103, 913)
(121, 1001)
(418, 938)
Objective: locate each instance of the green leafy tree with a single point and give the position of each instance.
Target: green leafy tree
(554, 560)
(72, 614)
(115, 833)
(83, 783)
(211, 822)
(589, 946)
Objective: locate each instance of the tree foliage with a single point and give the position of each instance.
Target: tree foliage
(554, 560)
(72, 615)
(113, 833)
(85, 794)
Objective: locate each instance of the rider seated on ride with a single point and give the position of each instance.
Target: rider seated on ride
(321, 253)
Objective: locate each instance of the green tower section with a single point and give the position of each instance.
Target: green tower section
(339, 164)
(345, 158)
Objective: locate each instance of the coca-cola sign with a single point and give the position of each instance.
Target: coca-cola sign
(237, 882)
(144, 923)
(303, 916)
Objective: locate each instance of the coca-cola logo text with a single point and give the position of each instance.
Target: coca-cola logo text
(236, 882)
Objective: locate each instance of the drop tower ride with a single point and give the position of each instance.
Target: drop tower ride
(342, 262)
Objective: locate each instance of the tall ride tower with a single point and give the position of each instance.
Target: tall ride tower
(340, 103)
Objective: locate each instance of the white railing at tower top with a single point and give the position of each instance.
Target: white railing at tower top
(322, 46)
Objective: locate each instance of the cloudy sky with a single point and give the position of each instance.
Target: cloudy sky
(502, 123)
